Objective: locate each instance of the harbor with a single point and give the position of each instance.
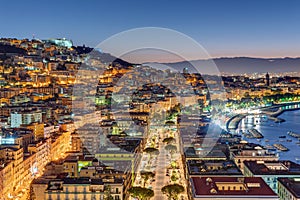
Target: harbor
(282, 138)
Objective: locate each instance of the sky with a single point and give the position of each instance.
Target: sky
(256, 28)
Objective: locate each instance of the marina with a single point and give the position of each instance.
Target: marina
(273, 133)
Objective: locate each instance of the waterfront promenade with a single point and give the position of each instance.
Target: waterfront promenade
(271, 111)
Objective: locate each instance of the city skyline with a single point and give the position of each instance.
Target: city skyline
(149, 100)
(225, 29)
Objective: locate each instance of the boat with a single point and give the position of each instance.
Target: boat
(249, 136)
(289, 140)
(270, 148)
(282, 136)
(293, 134)
(267, 140)
(255, 133)
(281, 147)
(226, 135)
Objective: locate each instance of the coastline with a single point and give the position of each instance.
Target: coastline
(233, 122)
(276, 133)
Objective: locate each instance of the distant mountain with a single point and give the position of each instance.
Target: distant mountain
(243, 64)
(108, 58)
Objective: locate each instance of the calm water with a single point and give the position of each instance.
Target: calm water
(272, 131)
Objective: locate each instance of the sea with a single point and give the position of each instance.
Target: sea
(274, 132)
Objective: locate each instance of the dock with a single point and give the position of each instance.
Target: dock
(255, 133)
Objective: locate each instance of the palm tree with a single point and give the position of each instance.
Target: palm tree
(141, 193)
(172, 191)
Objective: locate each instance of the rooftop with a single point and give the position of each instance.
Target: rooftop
(282, 167)
(204, 153)
(230, 186)
(292, 185)
(216, 168)
(57, 184)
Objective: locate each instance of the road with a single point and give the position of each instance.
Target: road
(161, 162)
(160, 176)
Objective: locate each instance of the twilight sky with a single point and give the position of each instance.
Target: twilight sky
(260, 28)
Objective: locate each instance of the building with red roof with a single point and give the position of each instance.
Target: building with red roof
(241, 188)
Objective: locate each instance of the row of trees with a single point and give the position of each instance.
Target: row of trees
(141, 193)
(171, 191)
(267, 99)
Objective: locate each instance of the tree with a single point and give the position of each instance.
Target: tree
(141, 193)
(151, 151)
(146, 176)
(170, 123)
(107, 193)
(171, 148)
(174, 178)
(169, 140)
(247, 95)
(172, 191)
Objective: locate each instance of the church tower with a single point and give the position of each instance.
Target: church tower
(268, 79)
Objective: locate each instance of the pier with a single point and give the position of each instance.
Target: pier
(256, 134)
(233, 122)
